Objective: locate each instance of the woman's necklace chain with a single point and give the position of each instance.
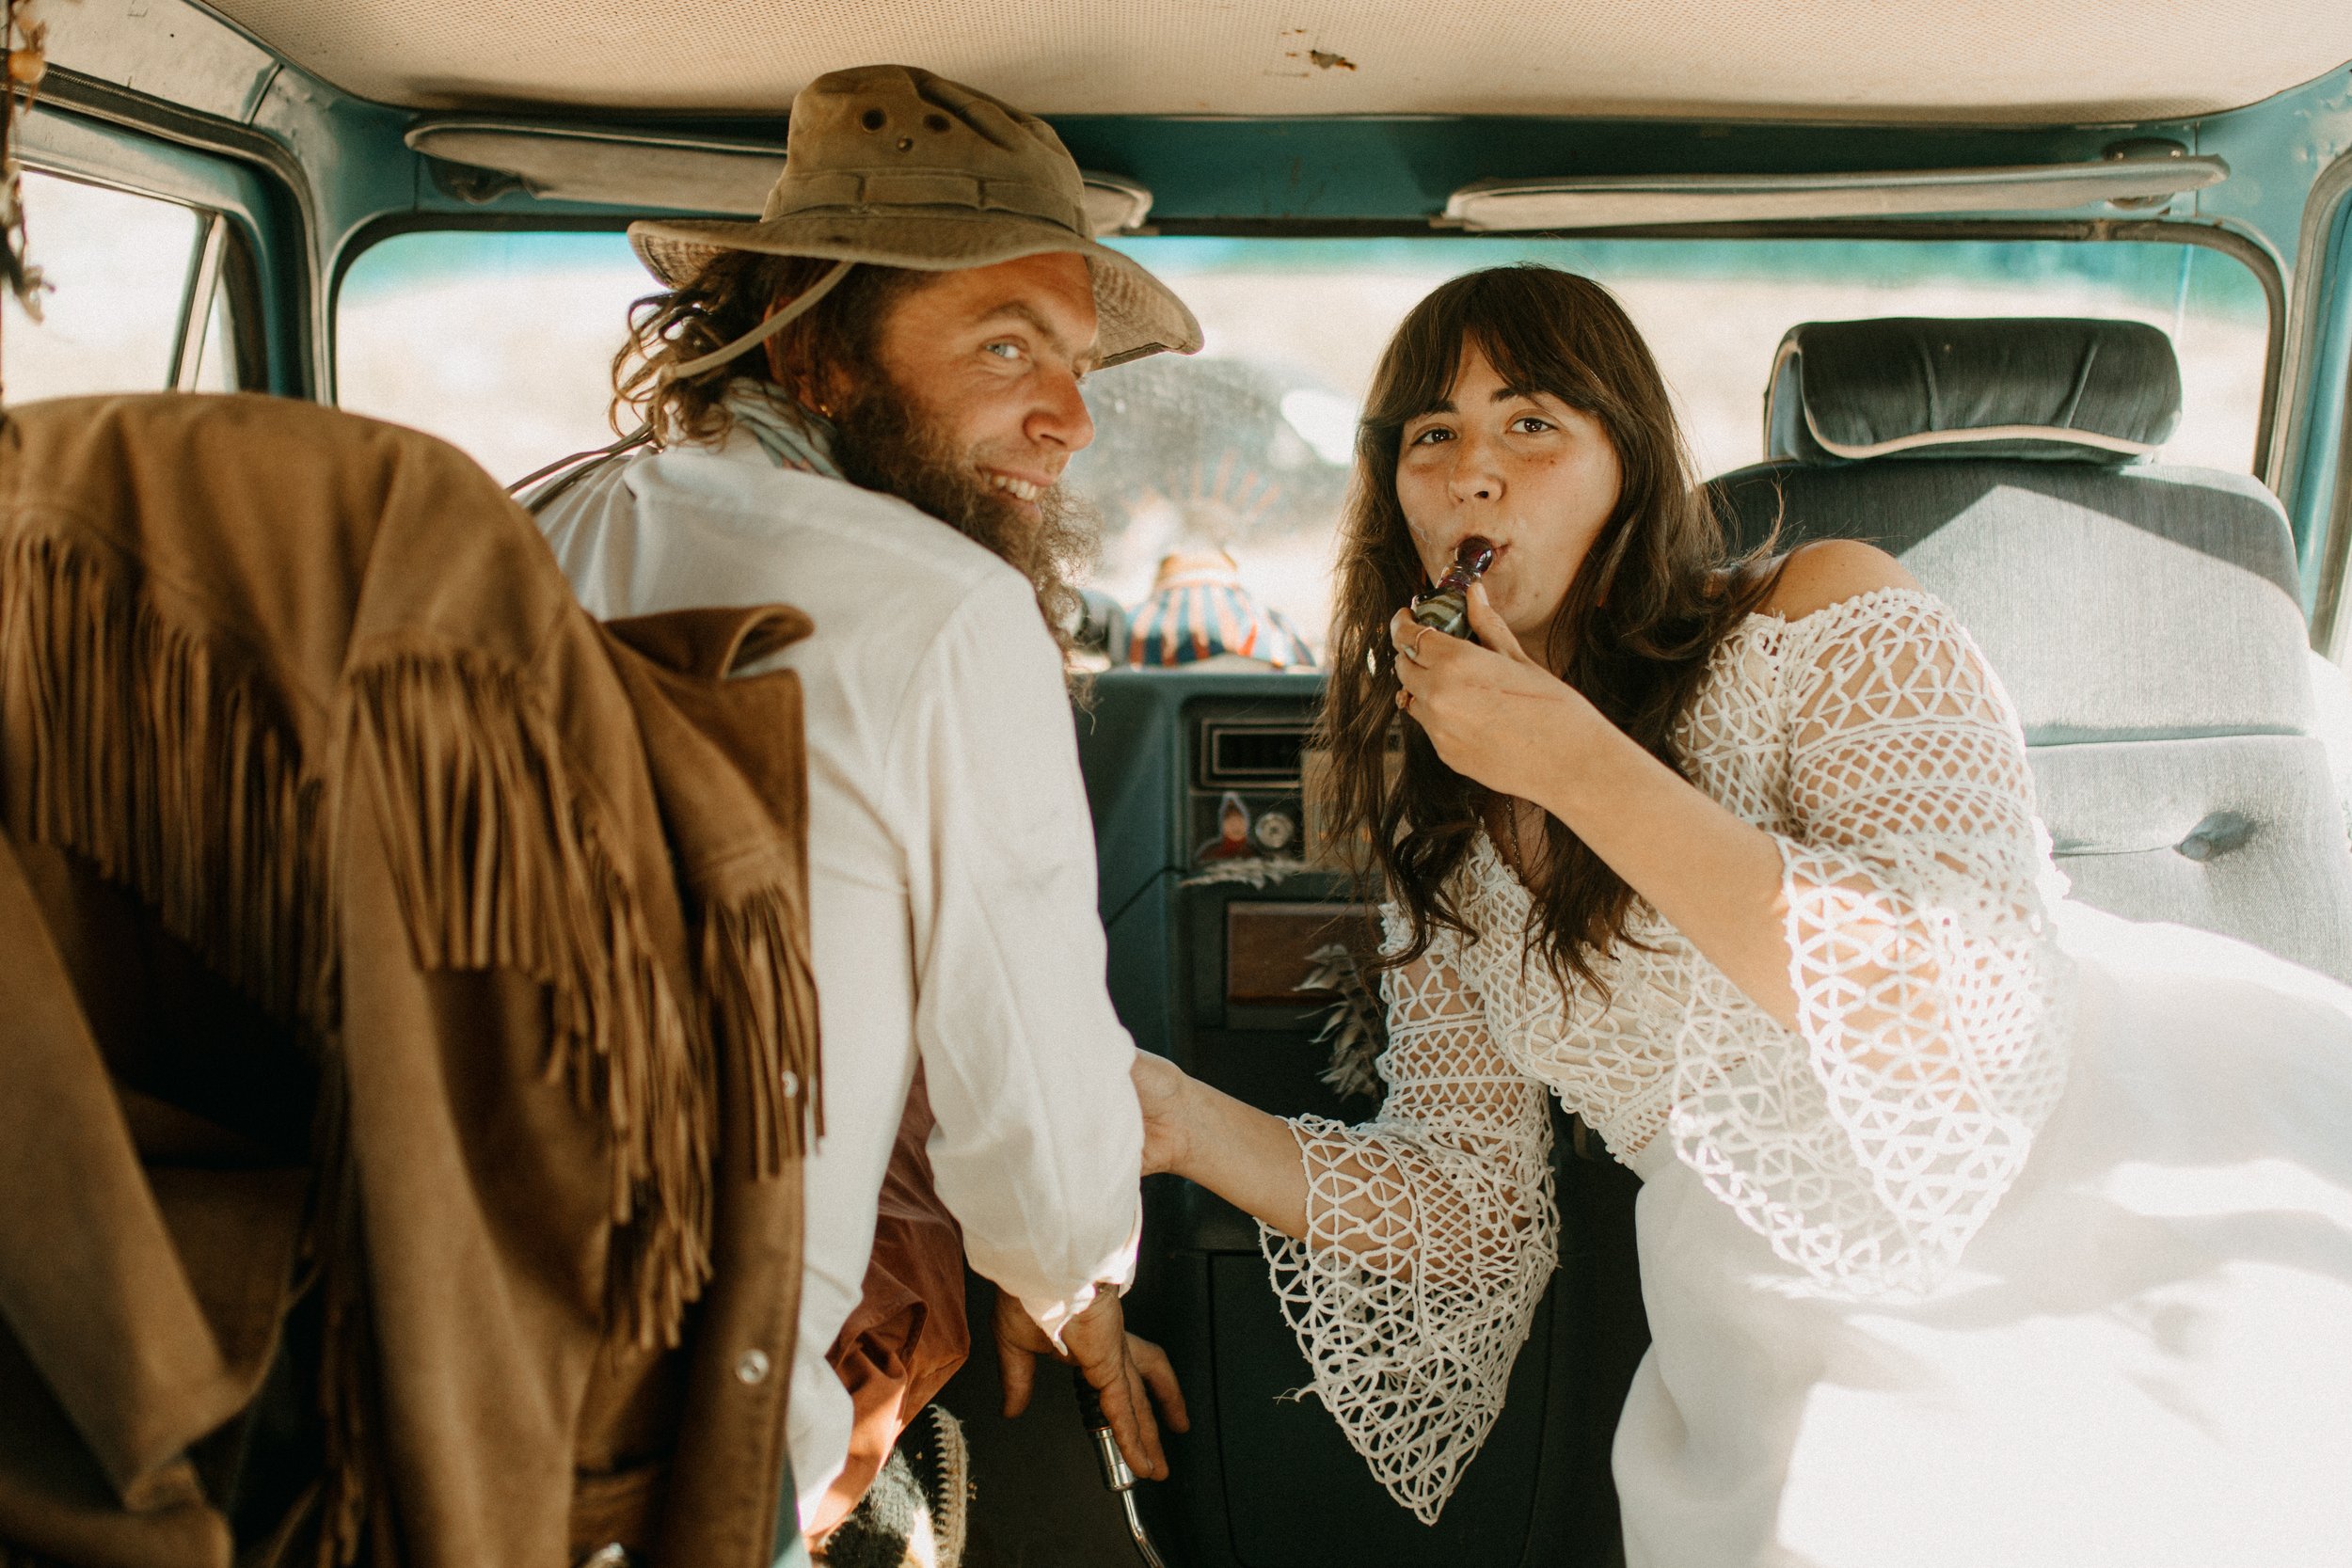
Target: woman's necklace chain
(1515, 851)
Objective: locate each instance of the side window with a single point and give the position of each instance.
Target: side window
(497, 341)
(137, 297)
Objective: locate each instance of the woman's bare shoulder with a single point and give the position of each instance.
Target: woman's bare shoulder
(1830, 571)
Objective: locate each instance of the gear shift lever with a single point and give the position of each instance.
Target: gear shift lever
(1116, 1476)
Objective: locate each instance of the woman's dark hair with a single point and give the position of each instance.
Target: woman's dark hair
(731, 294)
(1655, 594)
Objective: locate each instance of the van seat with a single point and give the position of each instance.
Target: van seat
(2145, 619)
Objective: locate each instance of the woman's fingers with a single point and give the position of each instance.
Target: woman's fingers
(1405, 635)
(1493, 630)
(1160, 1086)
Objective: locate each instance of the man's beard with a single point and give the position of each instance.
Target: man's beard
(882, 443)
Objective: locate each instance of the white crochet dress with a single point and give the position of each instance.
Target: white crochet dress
(1810, 1192)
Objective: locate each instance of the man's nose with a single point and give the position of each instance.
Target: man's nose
(1060, 418)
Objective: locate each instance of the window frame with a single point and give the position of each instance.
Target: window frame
(2253, 256)
(2316, 474)
(237, 240)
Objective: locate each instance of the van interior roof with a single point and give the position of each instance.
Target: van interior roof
(1967, 61)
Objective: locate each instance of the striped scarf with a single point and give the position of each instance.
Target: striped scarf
(791, 435)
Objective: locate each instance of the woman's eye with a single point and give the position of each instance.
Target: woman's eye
(1431, 436)
(1530, 424)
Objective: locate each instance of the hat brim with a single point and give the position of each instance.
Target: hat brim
(1137, 315)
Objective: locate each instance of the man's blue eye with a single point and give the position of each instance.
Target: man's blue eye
(1005, 350)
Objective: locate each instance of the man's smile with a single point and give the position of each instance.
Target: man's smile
(1015, 486)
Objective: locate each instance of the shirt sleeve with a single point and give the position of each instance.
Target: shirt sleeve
(1040, 1140)
(1869, 1144)
(1431, 1234)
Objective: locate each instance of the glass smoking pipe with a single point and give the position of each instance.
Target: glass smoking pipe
(1446, 607)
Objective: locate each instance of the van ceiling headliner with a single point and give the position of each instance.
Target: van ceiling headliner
(1975, 62)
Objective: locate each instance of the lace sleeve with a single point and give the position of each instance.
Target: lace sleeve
(1431, 1234)
(1871, 1144)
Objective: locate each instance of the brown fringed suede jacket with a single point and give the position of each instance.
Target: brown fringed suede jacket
(406, 1037)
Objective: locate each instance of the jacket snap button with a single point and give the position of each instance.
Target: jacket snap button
(791, 1083)
(752, 1367)
(610, 1555)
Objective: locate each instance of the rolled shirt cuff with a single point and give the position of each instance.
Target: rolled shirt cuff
(1118, 1272)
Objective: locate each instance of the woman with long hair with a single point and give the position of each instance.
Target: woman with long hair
(1975, 1227)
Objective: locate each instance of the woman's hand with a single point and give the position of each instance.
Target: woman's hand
(1238, 1152)
(1160, 1088)
(1494, 713)
(1497, 717)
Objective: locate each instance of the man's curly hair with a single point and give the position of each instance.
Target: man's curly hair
(814, 360)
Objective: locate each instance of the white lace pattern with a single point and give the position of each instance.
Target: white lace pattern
(1866, 1145)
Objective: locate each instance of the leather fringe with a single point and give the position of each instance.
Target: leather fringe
(155, 757)
(152, 756)
(762, 989)
(498, 863)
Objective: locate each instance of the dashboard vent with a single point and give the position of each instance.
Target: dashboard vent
(1251, 754)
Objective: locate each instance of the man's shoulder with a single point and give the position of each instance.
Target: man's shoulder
(873, 544)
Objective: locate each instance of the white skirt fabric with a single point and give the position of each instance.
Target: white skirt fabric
(2144, 1358)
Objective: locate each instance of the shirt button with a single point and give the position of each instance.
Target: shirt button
(752, 1367)
(612, 1554)
(791, 1085)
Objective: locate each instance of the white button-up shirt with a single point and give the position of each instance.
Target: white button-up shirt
(951, 874)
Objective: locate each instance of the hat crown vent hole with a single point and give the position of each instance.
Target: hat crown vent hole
(873, 120)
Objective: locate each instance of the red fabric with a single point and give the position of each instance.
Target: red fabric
(908, 1334)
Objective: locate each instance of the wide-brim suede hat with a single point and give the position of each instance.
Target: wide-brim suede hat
(892, 165)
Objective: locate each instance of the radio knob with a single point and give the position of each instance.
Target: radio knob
(1276, 829)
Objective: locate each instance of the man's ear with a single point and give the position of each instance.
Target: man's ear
(822, 388)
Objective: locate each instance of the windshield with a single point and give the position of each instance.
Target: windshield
(1246, 447)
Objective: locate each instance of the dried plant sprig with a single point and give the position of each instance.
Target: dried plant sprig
(24, 50)
(1258, 871)
(1353, 1025)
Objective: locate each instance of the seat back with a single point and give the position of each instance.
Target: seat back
(2146, 619)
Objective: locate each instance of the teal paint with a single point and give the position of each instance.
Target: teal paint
(2310, 491)
(68, 143)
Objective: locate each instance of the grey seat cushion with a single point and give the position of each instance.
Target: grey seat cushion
(2146, 622)
(2115, 603)
(2234, 833)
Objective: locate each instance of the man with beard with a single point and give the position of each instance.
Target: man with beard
(861, 405)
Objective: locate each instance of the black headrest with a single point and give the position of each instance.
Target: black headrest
(2078, 391)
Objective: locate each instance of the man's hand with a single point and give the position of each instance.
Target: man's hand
(1127, 1373)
